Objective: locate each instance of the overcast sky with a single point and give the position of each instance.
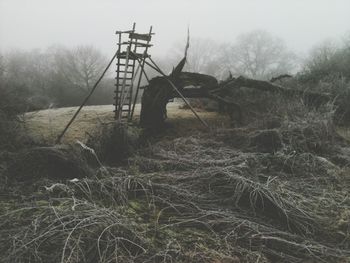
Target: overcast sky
(29, 24)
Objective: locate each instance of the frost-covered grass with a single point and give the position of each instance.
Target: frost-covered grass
(45, 125)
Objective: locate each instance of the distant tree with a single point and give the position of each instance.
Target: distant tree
(259, 55)
(87, 64)
(346, 40)
(15, 64)
(57, 76)
(74, 72)
(2, 67)
(328, 60)
(327, 69)
(28, 68)
(321, 59)
(80, 67)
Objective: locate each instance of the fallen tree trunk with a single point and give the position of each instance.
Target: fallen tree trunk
(194, 85)
(311, 98)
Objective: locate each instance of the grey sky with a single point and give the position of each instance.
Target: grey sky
(29, 24)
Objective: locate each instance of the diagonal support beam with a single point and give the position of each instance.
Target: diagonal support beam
(59, 138)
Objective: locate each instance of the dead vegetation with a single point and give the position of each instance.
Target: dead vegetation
(218, 196)
(114, 142)
(270, 186)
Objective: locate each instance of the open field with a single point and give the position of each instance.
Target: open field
(45, 125)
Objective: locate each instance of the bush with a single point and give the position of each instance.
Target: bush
(13, 102)
(114, 142)
(327, 61)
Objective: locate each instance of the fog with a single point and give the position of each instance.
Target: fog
(30, 24)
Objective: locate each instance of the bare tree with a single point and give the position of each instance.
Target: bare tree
(15, 64)
(81, 66)
(29, 68)
(259, 55)
(322, 55)
(328, 60)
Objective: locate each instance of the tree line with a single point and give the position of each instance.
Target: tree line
(60, 76)
(56, 77)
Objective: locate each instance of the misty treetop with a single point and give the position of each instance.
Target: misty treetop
(256, 54)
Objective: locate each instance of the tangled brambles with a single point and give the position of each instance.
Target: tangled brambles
(268, 192)
(190, 199)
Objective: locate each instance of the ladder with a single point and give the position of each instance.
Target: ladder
(132, 51)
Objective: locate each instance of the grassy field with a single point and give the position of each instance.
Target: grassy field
(45, 125)
(344, 132)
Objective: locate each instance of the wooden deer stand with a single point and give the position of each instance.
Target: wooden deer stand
(132, 56)
(132, 50)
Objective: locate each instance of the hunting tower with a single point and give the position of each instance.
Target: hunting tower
(131, 56)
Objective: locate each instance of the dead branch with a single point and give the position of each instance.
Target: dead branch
(311, 98)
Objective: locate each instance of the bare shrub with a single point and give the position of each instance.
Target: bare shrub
(114, 142)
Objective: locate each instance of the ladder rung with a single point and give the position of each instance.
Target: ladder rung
(119, 97)
(125, 91)
(127, 98)
(122, 44)
(122, 55)
(139, 44)
(122, 64)
(121, 81)
(145, 37)
(121, 78)
(118, 93)
(121, 85)
(132, 56)
(124, 32)
(126, 103)
(122, 71)
(122, 59)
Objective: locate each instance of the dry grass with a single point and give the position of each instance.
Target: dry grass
(188, 199)
(344, 132)
(45, 125)
(191, 196)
